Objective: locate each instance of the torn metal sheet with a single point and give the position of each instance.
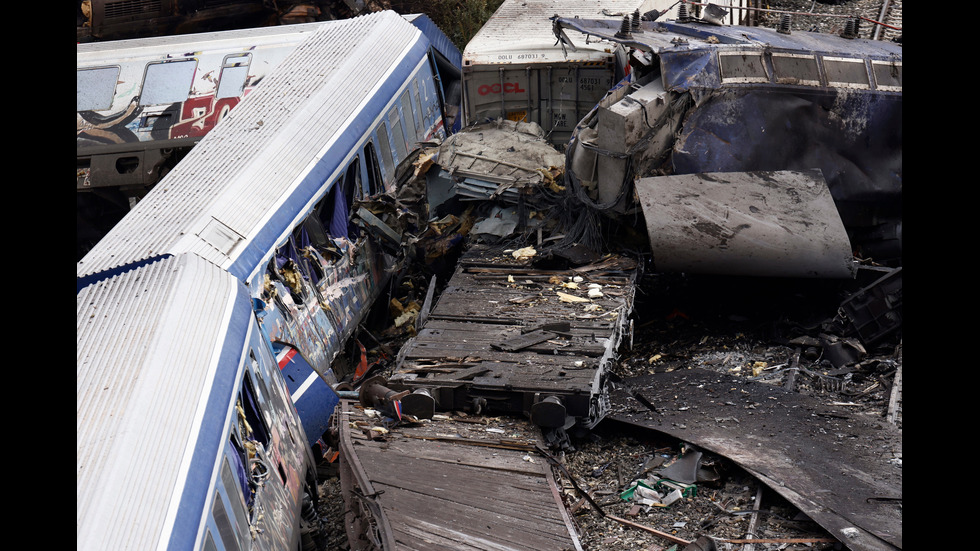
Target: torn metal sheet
(751, 223)
(500, 160)
(837, 468)
(447, 485)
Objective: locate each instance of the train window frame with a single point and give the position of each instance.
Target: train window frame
(398, 131)
(743, 67)
(887, 75)
(233, 74)
(792, 68)
(237, 498)
(376, 183)
(847, 72)
(423, 125)
(209, 544)
(164, 81)
(226, 530)
(406, 100)
(249, 389)
(95, 87)
(384, 144)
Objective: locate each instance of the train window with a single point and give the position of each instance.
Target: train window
(375, 181)
(333, 210)
(352, 182)
(796, 69)
(888, 75)
(352, 190)
(225, 530)
(385, 148)
(167, 82)
(251, 408)
(397, 134)
(234, 73)
(422, 123)
(235, 495)
(742, 67)
(94, 88)
(411, 126)
(209, 542)
(846, 73)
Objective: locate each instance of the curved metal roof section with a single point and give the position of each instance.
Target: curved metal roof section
(523, 27)
(156, 369)
(97, 52)
(236, 194)
(440, 42)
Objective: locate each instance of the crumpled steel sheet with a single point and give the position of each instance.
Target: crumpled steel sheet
(837, 468)
(746, 223)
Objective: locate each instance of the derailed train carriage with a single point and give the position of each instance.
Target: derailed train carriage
(267, 206)
(141, 105)
(186, 434)
(749, 151)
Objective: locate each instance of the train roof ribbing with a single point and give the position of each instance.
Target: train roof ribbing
(237, 192)
(147, 376)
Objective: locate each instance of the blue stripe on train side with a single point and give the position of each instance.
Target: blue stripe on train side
(210, 441)
(313, 183)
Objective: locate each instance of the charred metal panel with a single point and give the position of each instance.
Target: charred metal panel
(745, 223)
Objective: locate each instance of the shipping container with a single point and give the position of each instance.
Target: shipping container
(515, 69)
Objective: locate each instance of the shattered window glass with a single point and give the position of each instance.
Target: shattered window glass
(94, 88)
(796, 69)
(737, 67)
(167, 82)
(847, 73)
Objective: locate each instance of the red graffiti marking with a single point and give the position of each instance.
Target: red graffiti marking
(509, 88)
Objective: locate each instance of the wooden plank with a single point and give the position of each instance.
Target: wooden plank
(446, 495)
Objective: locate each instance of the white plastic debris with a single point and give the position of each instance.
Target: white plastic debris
(672, 497)
(526, 252)
(595, 293)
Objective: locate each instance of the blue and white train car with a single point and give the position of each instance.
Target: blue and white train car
(267, 194)
(186, 435)
(255, 223)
